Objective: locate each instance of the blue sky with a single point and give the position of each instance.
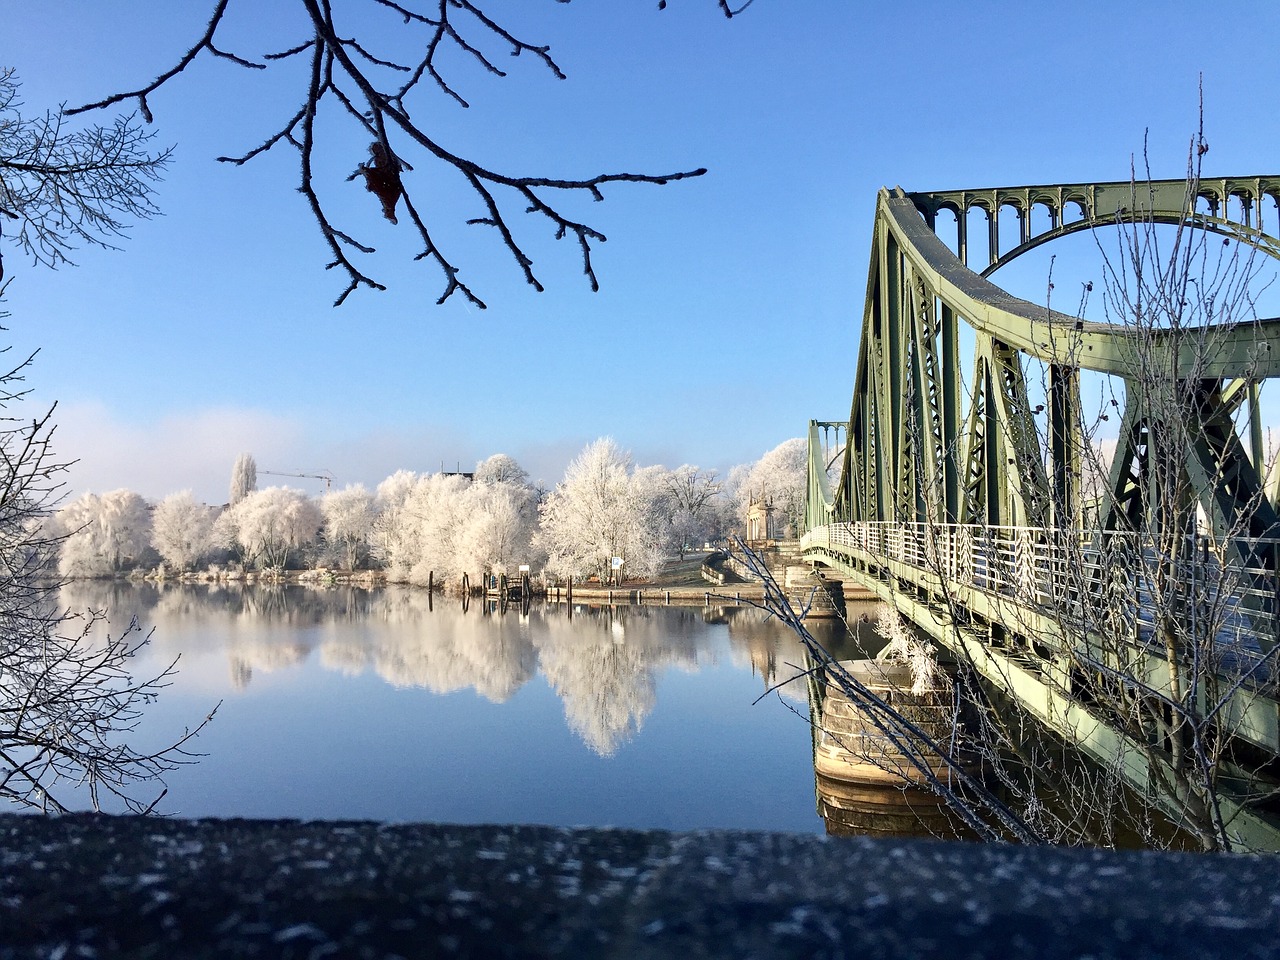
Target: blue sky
(730, 305)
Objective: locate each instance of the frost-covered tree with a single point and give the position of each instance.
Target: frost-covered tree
(182, 530)
(103, 534)
(349, 516)
(435, 512)
(501, 468)
(442, 525)
(498, 524)
(651, 533)
(269, 525)
(244, 478)
(125, 522)
(779, 477)
(417, 532)
(392, 540)
(74, 528)
(698, 512)
(597, 513)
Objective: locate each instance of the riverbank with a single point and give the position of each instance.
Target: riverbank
(680, 582)
(141, 887)
(646, 592)
(650, 594)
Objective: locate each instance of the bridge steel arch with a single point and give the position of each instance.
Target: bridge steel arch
(926, 453)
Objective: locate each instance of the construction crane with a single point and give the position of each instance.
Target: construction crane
(326, 476)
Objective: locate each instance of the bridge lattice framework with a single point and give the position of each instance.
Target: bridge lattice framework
(953, 502)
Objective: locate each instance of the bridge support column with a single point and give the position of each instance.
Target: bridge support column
(820, 597)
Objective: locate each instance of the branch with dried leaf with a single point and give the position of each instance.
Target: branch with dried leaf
(374, 94)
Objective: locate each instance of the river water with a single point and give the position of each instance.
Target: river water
(348, 703)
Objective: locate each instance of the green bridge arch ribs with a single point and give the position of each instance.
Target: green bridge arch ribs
(919, 450)
(929, 448)
(1101, 204)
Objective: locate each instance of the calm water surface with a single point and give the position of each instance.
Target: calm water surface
(370, 704)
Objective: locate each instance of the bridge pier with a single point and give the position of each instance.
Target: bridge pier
(819, 596)
(1008, 644)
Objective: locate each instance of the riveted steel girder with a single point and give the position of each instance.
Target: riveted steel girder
(914, 454)
(1098, 204)
(927, 450)
(1240, 350)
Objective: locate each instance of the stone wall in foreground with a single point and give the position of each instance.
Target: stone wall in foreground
(116, 886)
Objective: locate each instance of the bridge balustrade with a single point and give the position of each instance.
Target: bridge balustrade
(1077, 582)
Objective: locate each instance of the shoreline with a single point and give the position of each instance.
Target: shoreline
(646, 593)
(635, 593)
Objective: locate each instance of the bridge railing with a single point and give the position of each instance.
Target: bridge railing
(1124, 583)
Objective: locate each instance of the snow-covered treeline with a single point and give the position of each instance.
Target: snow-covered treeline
(420, 525)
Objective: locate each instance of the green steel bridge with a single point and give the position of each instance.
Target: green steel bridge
(966, 488)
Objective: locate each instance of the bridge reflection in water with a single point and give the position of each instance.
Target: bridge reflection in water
(851, 809)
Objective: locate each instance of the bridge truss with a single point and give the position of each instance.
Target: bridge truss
(981, 508)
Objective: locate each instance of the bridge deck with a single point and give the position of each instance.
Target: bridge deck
(957, 582)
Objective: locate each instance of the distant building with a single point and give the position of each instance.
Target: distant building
(760, 522)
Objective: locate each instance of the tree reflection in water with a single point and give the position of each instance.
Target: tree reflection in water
(602, 662)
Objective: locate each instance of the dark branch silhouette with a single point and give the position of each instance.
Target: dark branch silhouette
(70, 696)
(353, 79)
(60, 188)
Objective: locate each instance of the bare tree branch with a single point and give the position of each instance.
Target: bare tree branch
(69, 697)
(62, 187)
(370, 88)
